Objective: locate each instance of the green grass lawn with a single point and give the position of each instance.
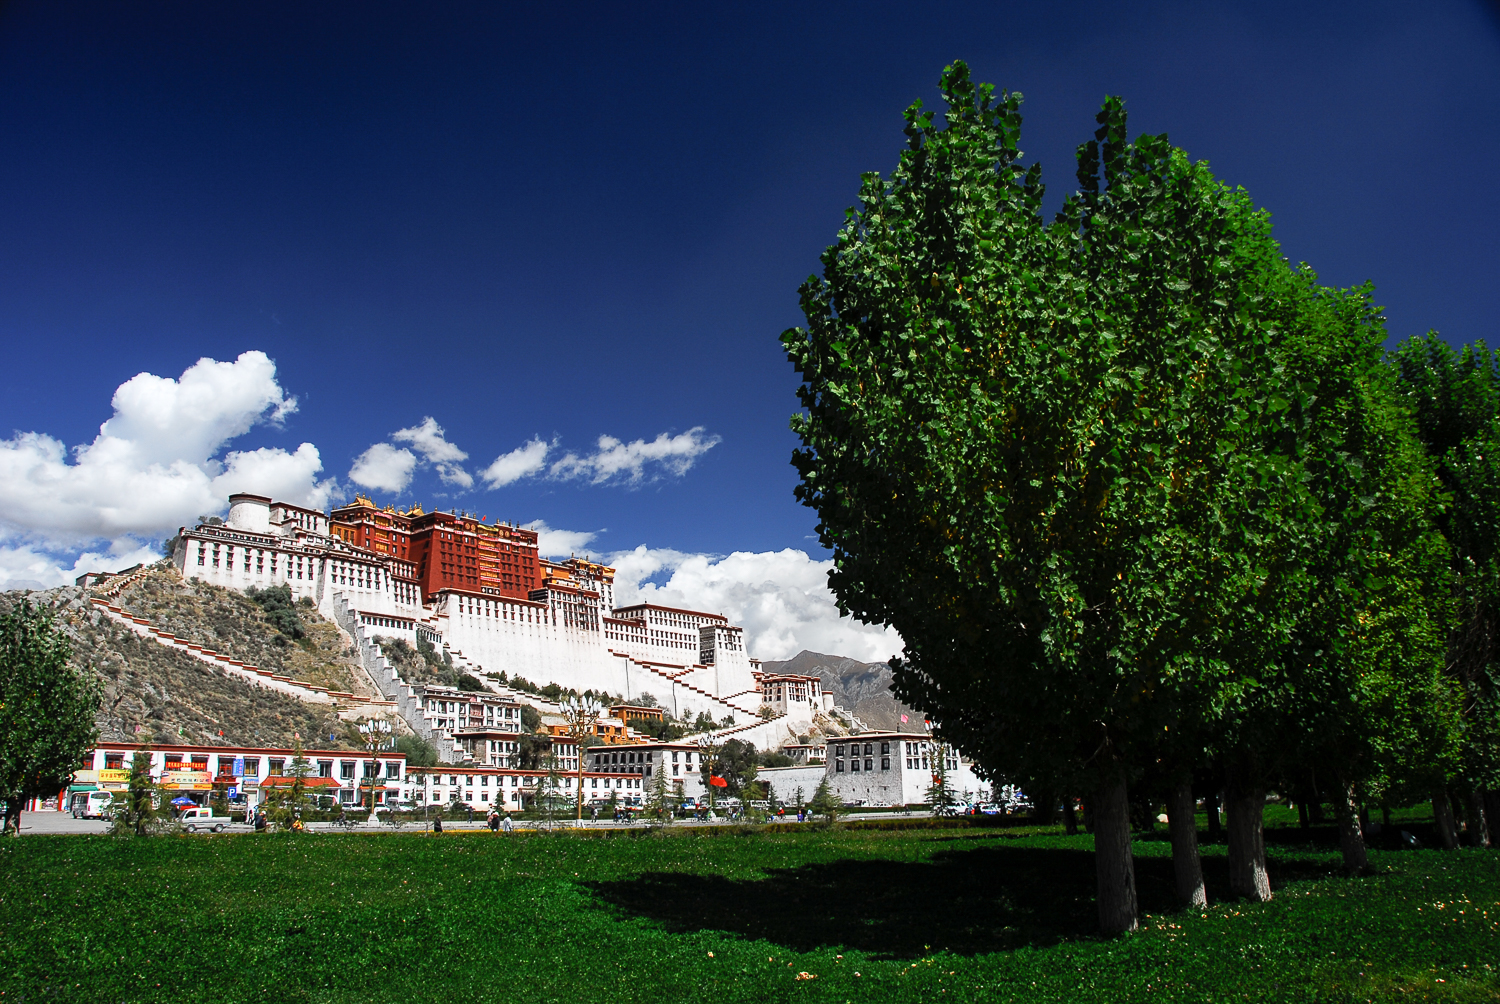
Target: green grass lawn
(958, 914)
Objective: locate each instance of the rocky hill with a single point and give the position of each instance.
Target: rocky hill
(157, 694)
(862, 687)
(230, 622)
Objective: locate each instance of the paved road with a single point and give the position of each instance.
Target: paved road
(63, 822)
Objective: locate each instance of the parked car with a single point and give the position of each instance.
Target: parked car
(202, 818)
(92, 804)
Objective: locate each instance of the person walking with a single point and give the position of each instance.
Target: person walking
(437, 824)
(507, 824)
(493, 821)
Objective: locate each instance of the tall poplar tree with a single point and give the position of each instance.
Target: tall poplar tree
(1040, 451)
(1455, 396)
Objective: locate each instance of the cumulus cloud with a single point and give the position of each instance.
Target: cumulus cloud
(384, 467)
(388, 468)
(154, 466)
(560, 543)
(445, 457)
(522, 462)
(629, 462)
(781, 598)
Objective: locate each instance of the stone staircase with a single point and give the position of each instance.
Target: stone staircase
(400, 695)
(663, 670)
(116, 584)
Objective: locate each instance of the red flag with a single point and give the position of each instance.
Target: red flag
(903, 719)
(718, 782)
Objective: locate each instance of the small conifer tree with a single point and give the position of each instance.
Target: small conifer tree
(940, 793)
(136, 811)
(824, 803)
(659, 802)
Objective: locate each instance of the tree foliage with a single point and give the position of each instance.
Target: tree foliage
(47, 709)
(1138, 495)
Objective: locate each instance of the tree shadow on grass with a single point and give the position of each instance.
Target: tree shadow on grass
(969, 902)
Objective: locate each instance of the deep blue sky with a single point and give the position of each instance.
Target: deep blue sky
(523, 222)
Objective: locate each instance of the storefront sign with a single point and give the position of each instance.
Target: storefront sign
(186, 780)
(111, 776)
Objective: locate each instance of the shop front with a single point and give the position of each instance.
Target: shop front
(187, 779)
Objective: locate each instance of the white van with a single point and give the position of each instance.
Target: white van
(91, 804)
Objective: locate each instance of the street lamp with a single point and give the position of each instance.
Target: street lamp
(377, 737)
(582, 714)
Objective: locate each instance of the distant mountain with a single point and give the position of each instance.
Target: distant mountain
(862, 687)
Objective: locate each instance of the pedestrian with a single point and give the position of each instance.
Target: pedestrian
(260, 821)
(494, 821)
(471, 814)
(508, 826)
(437, 824)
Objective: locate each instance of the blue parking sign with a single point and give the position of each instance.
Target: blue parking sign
(233, 793)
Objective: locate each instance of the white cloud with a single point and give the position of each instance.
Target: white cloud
(153, 467)
(781, 598)
(384, 467)
(24, 567)
(559, 543)
(429, 441)
(522, 462)
(628, 461)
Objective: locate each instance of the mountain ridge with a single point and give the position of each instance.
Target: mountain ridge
(862, 687)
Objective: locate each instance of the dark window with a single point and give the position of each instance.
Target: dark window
(885, 763)
(869, 765)
(838, 766)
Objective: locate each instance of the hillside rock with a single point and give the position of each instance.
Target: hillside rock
(231, 623)
(157, 694)
(862, 687)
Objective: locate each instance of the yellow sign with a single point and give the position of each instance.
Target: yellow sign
(191, 780)
(109, 775)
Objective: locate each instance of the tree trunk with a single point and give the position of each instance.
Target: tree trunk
(1215, 828)
(1044, 808)
(1302, 821)
(1114, 866)
(1479, 830)
(1315, 807)
(1492, 815)
(1351, 833)
(1070, 816)
(1185, 863)
(1247, 843)
(1442, 818)
(12, 817)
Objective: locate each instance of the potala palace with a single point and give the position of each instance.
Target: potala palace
(482, 593)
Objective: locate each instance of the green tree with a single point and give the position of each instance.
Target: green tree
(47, 709)
(1358, 689)
(289, 801)
(735, 763)
(138, 810)
(940, 792)
(824, 802)
(1039, 451)
(419, 752)
(280, 609)
(661, 801)
(1455, 396)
